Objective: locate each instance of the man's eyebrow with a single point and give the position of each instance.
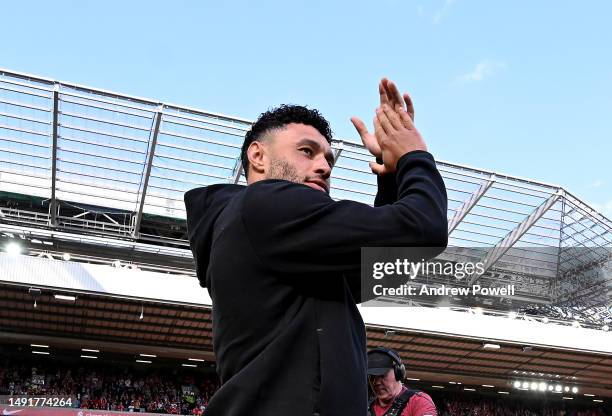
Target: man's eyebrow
(328, 155)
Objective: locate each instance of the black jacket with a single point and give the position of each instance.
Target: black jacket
(281, 263)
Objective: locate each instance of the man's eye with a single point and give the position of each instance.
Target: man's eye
(306, 150)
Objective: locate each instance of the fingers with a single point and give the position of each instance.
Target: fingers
(380, 136)
(379, 132)
(383, 120)
(406, 118)
(393, 95)
(394, 98)
(409, 105)
(393, 116)
(384, 99)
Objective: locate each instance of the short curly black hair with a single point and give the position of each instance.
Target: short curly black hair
(279, 117)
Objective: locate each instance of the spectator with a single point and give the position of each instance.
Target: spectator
(385, 375)
(161, 391)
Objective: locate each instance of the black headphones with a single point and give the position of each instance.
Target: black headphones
(398, 368)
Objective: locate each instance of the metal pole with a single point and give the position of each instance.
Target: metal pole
(54, 138)
(147, 173)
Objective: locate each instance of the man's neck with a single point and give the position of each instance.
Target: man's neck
(396, 392)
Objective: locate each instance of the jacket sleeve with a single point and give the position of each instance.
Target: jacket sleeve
(387, 190)
(298, 230)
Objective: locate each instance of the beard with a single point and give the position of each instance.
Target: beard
(281, 169)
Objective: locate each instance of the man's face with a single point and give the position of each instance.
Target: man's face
(384, 386)
(299, 153)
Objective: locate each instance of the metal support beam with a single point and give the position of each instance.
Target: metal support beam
(554, 285)
(147, 172)
(81, 214)
(54, 137)
(470, 203)
(513, 236)
(237, 171)
(110, 219)
(338, 151)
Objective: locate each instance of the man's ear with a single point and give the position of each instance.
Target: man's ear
(257, 154)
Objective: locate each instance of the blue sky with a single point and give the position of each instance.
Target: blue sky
(523, 88)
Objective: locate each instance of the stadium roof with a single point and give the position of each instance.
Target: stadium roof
(102, 175)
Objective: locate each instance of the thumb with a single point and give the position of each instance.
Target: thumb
(378, 169)
(360, 126)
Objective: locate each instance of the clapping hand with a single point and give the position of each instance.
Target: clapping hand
(394, 129)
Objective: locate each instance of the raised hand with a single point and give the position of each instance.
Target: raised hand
(396, 135)
(390, 96)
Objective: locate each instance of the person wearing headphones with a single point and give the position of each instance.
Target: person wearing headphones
(391, 397)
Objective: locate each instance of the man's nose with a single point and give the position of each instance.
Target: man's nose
(322, 167)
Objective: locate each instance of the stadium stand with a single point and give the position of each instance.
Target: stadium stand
(462, 405)
(94, 254)
(108, 386)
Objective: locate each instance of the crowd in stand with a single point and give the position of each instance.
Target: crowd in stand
(153, 390)
(111, 387)
(464, 405)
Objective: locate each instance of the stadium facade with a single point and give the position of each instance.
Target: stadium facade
(91, 207)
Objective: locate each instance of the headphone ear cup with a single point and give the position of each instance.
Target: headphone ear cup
(402, 373)
(399, 371)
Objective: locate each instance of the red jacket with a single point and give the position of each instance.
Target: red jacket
(420, 404)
